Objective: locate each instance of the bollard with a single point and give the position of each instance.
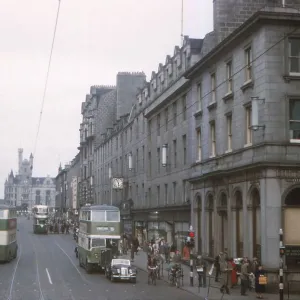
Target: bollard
(281, 254)
(191, 268)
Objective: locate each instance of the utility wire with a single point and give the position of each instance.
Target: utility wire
(47, 79)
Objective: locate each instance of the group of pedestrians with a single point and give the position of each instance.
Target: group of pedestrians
(253, 276)
(59, 226)
(130, 242)
(250, 274)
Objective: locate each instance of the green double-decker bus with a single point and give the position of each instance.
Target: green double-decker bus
(8, 233)
(40, 219)
(99, 236)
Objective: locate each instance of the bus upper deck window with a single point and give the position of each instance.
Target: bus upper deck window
(112, 216)
(98, 216)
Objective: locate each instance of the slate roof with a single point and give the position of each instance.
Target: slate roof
(35, 180)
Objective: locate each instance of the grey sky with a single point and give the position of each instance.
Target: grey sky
(95, 40)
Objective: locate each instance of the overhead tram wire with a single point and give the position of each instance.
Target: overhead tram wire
(47, 79)
(45, 91)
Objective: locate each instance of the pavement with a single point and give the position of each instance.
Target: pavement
(140, 261)
(47, 269)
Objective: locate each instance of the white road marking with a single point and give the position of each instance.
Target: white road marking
(49, 277)
(14, 275)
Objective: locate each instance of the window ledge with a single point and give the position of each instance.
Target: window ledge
(212, 156)
(294, 141)
(228, 151)
(228, 96)
(290, 77)
(198, 113)
(212, 105)
(198, 161)
(248, 145)
(247, 85)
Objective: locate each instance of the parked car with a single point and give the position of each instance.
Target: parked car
(121, 269)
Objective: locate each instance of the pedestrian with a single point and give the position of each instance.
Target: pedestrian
(233, 273)
(134, 246)
(260, 282)
(201, 267)
(244, 277)
(217, 267)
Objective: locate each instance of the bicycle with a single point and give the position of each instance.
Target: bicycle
(152, 275)
(175, 275)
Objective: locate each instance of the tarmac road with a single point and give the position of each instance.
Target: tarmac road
(46, 269)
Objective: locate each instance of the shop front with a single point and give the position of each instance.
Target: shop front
(171, 225)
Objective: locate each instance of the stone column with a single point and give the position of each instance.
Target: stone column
(233, 230)
(270, 205)
(250, 231)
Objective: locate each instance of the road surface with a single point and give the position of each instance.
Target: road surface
(46, 269)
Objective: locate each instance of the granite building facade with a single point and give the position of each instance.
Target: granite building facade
(146, 153)
(245, 91)
(100, 111)
(212, 140)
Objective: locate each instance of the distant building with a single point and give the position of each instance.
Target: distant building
(66, 199)
(2, 201)
(24, 190)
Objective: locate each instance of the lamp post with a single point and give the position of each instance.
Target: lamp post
(130, 161)
(111, 186)
(164, 155)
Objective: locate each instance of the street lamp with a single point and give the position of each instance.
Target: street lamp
(164, 155)
(111, 185)
(130, 161)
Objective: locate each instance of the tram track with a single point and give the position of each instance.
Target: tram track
(62, 286)
(14, 275)
(37, 270)
(17, 273)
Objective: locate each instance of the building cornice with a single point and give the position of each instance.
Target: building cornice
(172, 91)
(268, 15)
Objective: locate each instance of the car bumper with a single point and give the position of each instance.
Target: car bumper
(124, 277)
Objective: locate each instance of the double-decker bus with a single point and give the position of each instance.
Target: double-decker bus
(99, 236)
(40, 218)
(8, 233)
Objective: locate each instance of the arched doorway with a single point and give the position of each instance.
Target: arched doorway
(239, 230)
(222, 212)
(256, 231)
(199, 219)
(291, 227)
(210, 224)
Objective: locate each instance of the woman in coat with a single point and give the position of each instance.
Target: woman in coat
(259, 287)
(233, 273)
